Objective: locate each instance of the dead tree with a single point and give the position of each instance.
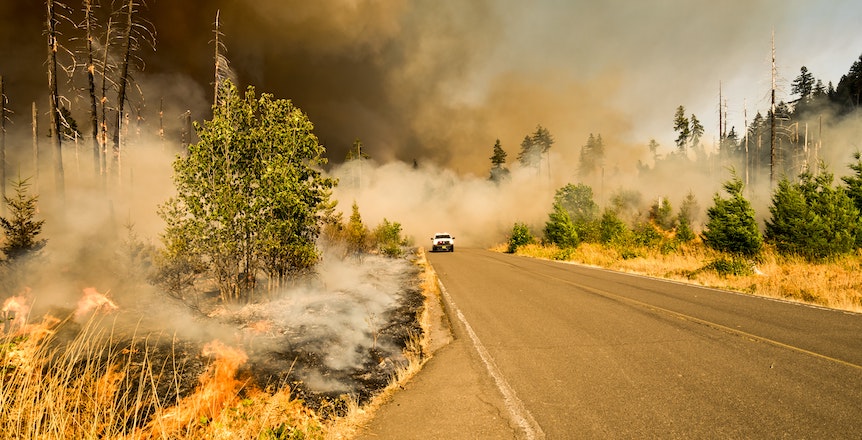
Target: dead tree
(89, 23)
(54, 98)
(2, 140)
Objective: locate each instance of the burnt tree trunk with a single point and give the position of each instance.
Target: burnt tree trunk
(2, 141)
(91, 82)
(123, 82)
(54, 101)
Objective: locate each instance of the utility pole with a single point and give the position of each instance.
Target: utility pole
(747, 160)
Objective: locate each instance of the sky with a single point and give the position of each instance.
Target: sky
(438, 81)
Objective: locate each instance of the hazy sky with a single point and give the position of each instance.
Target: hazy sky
(439, 80)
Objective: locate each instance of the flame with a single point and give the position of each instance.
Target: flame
(16, 309)
(217, 390)
(93, 300)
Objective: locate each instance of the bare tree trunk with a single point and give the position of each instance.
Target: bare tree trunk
(35, 125)
(123, 81)
(103, 124)
(54, 102)
(2, 143)
(91, 80)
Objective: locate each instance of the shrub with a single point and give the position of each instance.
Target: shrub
(388, 238)
(612, 229)
(730, 266)
(560, 230)
(520, 236)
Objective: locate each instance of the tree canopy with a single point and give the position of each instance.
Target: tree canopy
(249, 193)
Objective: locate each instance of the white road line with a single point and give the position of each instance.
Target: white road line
(517, 411)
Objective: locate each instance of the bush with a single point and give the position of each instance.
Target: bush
(730, 266)
(612, 229)
(560, 230)
(520, 236)
(388, 238)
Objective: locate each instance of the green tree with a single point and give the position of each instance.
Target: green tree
(811, 218)
(534, 146)
(520, 236)
(732, 227)
(21, 227)
(681, 127)
(662, 214)
(560, 229)
(356, 151)
(577, 200)
(803, 85)
(612, 229)
(250, 192)
(356, 233)
(387, 236)
(499, 172)
(854, 181)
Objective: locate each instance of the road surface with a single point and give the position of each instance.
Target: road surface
(564, 351)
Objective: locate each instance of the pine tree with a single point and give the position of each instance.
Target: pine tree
(811, 218)
(681, 127)
(21, 228)
(732, 227)
(499, 172)
(803, 85)
(559, 229)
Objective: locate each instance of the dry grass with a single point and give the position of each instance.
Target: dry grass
(835, 284)
(94, 387)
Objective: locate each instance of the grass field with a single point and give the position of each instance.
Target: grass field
(835, 284)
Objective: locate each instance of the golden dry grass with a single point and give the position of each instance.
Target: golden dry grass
(835, 284)
(80, 392)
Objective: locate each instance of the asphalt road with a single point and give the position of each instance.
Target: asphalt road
(576, 352)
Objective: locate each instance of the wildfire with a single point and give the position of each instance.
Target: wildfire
(93, 300)
(217, 390)
(15, 309)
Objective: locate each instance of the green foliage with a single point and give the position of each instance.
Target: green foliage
(578, 202)
(732, 227)
(520, 236)
(730, 266)
(662, 214)
(854, 188)
(612, 229)
(812, 218)
(499, 172)
(388, 238)
(21, 227)
(684, 233)
(356, 233)
(249, 193)
(560, 230)
(592, 156)
(534, 146)
(646, 235)
(681, 127)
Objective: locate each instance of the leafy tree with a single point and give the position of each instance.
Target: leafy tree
(499, 172)
(803, 85)
(520, 236)
(250, 192)
(611, 228)
(812, 218)
(560, 229)
(732, 227)
(21, 227)
(577, 200)
(681, 127)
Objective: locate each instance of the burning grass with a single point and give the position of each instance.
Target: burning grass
(835, 284)
(90, 375)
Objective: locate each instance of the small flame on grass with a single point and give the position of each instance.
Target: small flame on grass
(93, 300)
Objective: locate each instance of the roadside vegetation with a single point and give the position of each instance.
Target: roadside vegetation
(810, 248)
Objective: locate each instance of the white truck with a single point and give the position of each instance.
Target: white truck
(442, 241)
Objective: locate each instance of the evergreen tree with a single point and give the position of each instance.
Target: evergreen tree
(732, 227)
(662, 214)
(611, 228)
(560, 230)
(696, 132)
(356, 151)
(21, 227)
(520, 236)
(592, 156)
(803, 85)
(499, 172)
(530, 155)
(357, 232)
(812, 218)
(854, 181)
(681, 127)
